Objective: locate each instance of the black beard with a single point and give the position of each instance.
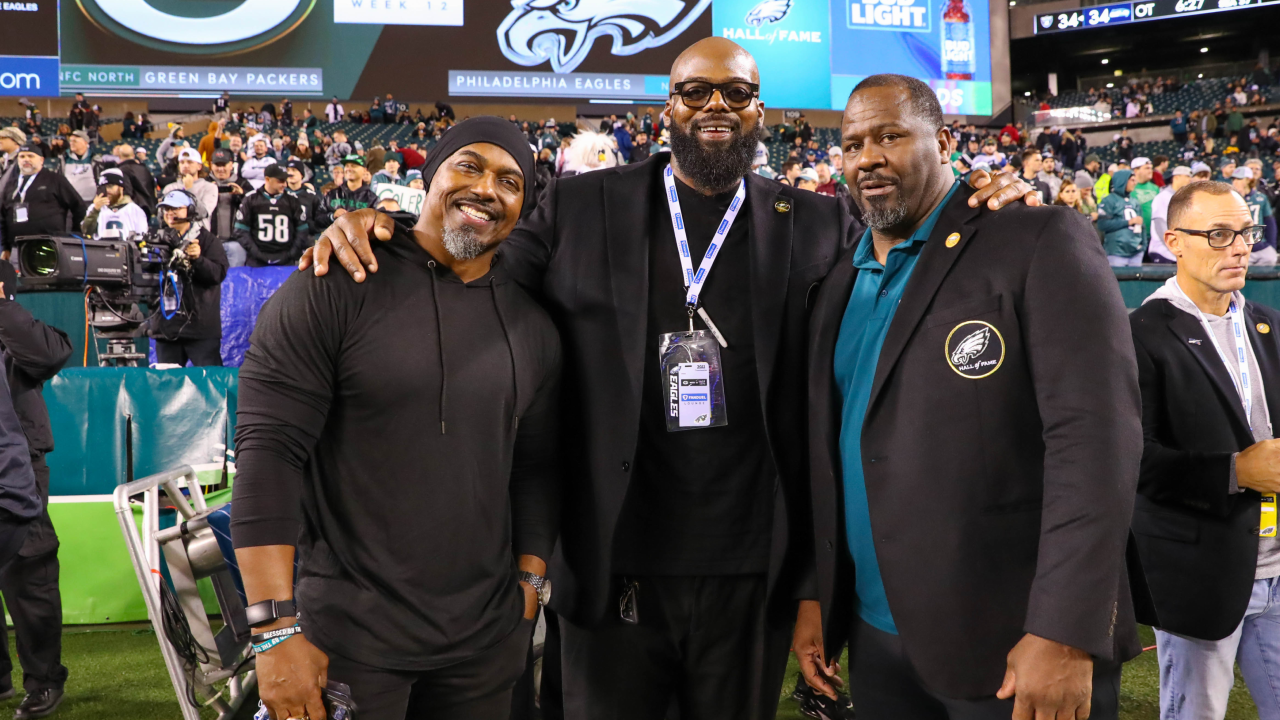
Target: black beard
(714, 170)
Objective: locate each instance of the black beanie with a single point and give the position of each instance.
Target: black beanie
(485, 129)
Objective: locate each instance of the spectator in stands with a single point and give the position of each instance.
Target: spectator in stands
(790, 171)
(827, 184)
(311, 202)
(255, 167)
(77, 165)
(352, 194)
(334, 112)
(113, 214)
(79, 109)
(142, 184)
(191, 328)
(286, 113)
(1157, 251)
(191, 178)
(1124, 145)
(1179, 127)
(1069, 195)
(39, 202)
(390, 172)
(145, 126)
(339, 150)
(1202, 574)
(807, 180)
(175, 139)
(1244, 182)
(271, 224)
(1144, 191)
(33, 352)
(1120, 218)
(1160, 166)
(1031, 166)
(1235, 119)
(1008, 146)
(1226, 169)
(11, 138)
(1049, 175)
(230, 192)
(390, 110)
(222, 107)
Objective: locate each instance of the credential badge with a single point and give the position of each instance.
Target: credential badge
(974, 349)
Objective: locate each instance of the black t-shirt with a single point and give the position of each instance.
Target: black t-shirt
(700, 501)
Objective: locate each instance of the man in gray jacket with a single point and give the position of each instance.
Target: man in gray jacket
(77, 165)
(189, 179)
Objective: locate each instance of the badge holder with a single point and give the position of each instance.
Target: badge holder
(691, 373)
(1267, 522)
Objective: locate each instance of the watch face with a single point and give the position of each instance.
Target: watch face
(544, 595)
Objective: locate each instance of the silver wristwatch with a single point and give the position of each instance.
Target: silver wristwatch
(541, 586)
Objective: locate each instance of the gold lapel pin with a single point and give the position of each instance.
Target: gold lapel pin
(953, 239)
(1264, 328)
(782, 206)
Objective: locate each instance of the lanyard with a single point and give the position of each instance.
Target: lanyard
(21, 191)
(693, 282)
(1242, 375)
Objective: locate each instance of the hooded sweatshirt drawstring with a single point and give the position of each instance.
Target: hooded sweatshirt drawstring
(444, 374)
(502, 321)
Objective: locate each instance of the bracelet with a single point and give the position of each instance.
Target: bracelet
(263, 642)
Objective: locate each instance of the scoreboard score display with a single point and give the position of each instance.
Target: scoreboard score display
(1126, 12)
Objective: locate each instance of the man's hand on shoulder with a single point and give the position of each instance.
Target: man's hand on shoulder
(347, 241)
(1000, 190)
(1047, 679)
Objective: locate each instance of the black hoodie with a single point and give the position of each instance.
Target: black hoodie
(402, 434)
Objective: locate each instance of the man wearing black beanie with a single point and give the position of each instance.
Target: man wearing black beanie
(423, 533)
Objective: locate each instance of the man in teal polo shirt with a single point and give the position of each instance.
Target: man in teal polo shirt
(882, 277)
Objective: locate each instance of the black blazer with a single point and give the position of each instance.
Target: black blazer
(585, 253)
(1000, 505)
(1195, 545)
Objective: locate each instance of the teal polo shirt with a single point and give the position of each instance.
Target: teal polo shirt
(875, 298)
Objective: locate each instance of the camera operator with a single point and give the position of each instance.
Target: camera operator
(113, 213)
(271, 221)
(37, 201)
(188, 325)
(33, 353)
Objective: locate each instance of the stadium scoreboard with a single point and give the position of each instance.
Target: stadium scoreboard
(1127, 12)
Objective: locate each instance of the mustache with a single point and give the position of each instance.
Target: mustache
(732, 121)
(489, 206)
(877, 177)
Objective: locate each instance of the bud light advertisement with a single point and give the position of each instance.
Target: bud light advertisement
(946, 43)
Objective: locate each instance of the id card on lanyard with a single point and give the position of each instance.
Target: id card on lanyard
(690, 360)
(20, 194)
(1242, 377)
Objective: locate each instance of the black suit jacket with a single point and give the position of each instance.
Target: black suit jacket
(1000, 505)
(585, 252)
(1195, 545)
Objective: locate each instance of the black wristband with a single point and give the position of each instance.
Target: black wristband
(268, 611)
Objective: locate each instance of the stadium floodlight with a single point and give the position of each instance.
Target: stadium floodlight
(1105, 61)
(1204, 50)
(1111, 85)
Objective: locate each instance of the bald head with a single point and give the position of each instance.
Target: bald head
(715, 59)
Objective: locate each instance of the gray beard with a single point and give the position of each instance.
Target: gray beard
(462, 243)
(882, 217)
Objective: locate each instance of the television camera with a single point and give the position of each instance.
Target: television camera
(117, 276)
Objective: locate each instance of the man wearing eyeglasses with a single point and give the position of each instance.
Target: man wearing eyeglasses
(681, 286)
(1207, 575)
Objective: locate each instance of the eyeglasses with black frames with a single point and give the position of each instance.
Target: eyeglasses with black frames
(696, 94)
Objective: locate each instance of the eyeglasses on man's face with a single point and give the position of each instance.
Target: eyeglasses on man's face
(1225, 237)
(696, 94)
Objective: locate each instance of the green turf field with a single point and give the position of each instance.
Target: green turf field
(117, 674)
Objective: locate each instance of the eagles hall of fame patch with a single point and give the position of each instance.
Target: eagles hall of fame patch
(974, 349)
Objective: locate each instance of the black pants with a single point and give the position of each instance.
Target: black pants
(30, 587)
(478, 688)
(884, 686)
(201, 353)
(701, 651)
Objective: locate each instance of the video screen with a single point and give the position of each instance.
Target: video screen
(811, 52)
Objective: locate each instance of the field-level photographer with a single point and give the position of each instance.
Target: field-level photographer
(187, 324)
(33, 352)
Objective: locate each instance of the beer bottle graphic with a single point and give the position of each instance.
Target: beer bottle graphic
(958, 51)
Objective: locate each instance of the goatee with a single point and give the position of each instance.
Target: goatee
(462, 243)
(881, 216)
(717, 169)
